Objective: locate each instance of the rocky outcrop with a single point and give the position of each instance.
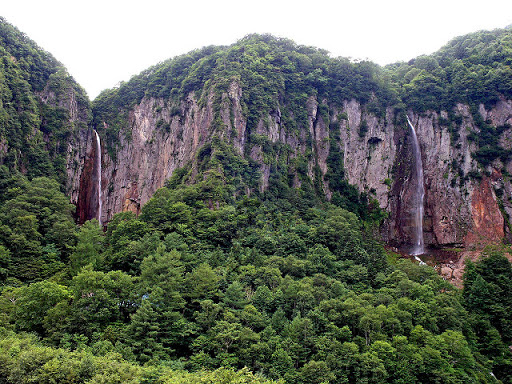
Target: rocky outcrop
(461, 205)
(453, 269)
(87, 192)
(487, 220)
(160, 138)
(445, 163)
(156, 142)
(369, 158)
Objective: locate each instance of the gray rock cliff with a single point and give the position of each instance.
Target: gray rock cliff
(460, 208)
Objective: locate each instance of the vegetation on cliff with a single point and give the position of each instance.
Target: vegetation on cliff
(475, 69)
(278, 77)
(470, 69)
(272, 72)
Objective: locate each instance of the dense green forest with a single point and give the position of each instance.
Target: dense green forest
(212, 285)
(287, 287)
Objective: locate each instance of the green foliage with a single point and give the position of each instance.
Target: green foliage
(24, 360)
(35, 301)
(488, 140)
(485, 285)
(37, 228)
(293, 291)
(472, 69)
(99, 300)
(88, 248)
(272, 72)
(363, 128)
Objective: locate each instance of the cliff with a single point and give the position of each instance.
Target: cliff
(461, 209)
(311, 126)
(333, 128)
(70, 101)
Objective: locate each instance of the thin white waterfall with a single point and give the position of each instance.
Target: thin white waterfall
(419, 195)
(98, 176)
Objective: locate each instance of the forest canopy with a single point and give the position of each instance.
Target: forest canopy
(278, 285)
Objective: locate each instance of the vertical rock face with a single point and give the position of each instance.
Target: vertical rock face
(487, 220)
(44, 113)
(447, 207)
(85, 203)
(157, 141)
(154, 144)
(461, 208)
(369, 158)
(78, 144)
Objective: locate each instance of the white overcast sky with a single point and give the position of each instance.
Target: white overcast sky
(102, 42)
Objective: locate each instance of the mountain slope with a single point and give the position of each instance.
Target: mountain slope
(44, 117)
(44, 113)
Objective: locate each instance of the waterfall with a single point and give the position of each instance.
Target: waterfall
(419, 194)
(98, 176)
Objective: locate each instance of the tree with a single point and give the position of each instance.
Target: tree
(202, 283)
(5, 263)
(485, 287)
(165, 270)
(281, 363)
(100, 299)
(315, 372)
(234, 296)
(90, 243)
(145, 334)
(37, 219)
(35, 301)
